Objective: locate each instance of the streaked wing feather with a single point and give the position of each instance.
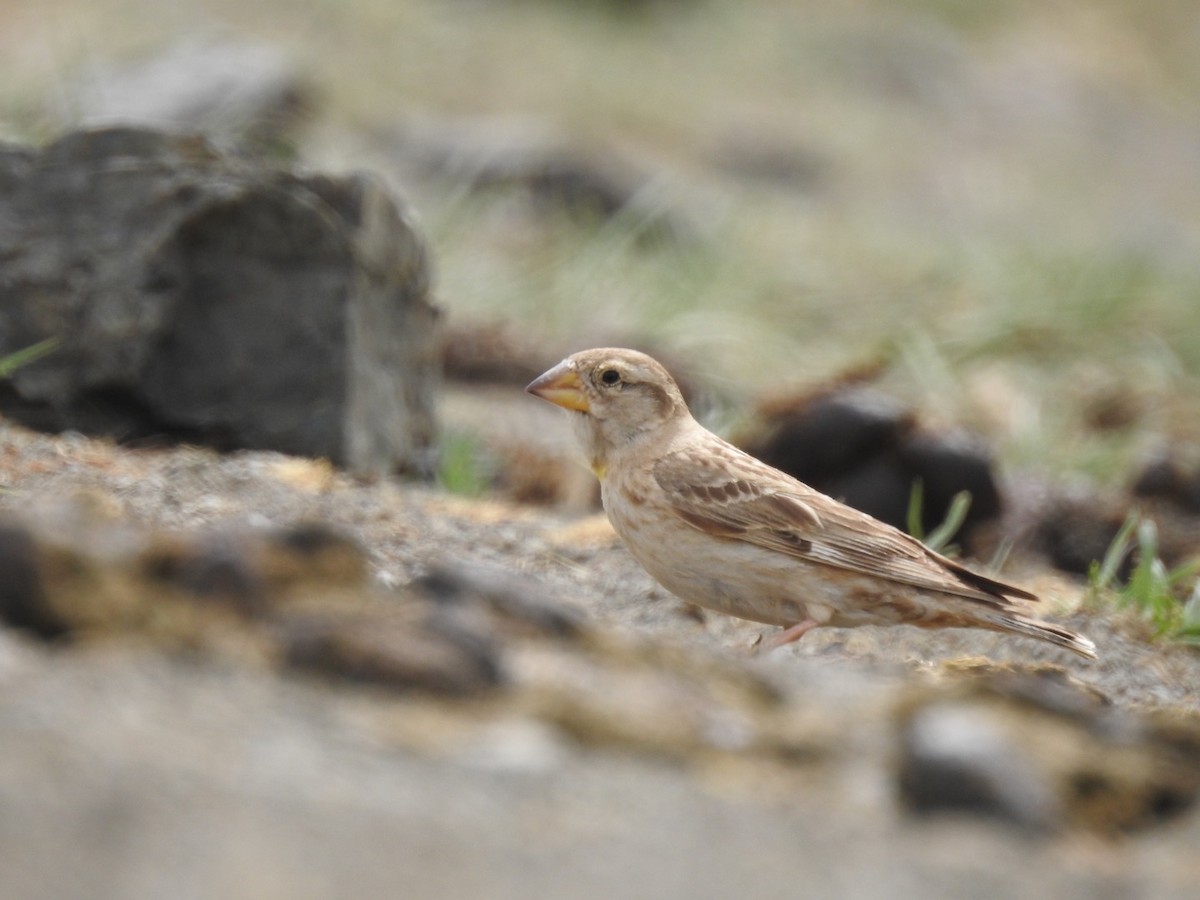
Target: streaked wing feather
(729, 494)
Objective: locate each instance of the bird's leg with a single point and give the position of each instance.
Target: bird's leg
(788, 635)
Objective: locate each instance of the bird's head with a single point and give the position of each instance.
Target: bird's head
(619, 396)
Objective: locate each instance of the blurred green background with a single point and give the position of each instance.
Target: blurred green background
(999, 202)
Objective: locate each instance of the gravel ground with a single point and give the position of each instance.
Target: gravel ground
(127, 772)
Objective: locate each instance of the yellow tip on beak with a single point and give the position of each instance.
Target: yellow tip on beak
(562, 387)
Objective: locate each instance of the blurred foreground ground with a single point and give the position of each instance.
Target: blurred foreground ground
(653, 756)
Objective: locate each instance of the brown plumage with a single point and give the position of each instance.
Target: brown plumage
(723, 530)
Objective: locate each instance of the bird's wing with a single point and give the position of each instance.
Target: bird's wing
(724, 492)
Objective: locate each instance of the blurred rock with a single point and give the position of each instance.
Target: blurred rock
(949, 462)
(1036, 748)
(22, 594)
(521, 601)
(1166, 477)
(300, 597)
(528, 474)
(557, 173)
(493, 354)
(956, 758)
(240, 95)
(1046, 686)
(1076, 528)
(827, 433)
(392, 651)
(1114, 407)
(756, 154)
(1077, 524)
(866, 449)
(202, 298)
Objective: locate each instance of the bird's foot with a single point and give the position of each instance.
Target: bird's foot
(786, 636)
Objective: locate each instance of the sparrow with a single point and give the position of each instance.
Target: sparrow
(723, 530)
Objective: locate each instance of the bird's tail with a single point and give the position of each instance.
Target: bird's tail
(1045, 631)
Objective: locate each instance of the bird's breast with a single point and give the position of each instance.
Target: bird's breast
(729, 576)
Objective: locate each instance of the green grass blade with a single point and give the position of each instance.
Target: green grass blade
(14, 361)
(957, 514)
(1103, 576)
(916, 503)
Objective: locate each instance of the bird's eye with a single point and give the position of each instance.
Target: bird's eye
(610, 376)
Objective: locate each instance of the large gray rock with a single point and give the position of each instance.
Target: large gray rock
(196, 296)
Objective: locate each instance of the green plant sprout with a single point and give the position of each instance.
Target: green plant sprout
(14, 361)
(939, 539)
(1152, 588)
(462, 468)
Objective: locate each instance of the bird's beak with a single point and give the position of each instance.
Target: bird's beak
(562, 387)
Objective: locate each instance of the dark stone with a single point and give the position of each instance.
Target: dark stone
(519, 599)
(1048, 688)
(1159, 478)
(214, 571)
(879, 486)
(487, 353)
(865, 449)
(956, 758)
(1074, 533)
(1165, 477)
(22, 591)
(828, 435)
(947, 463)
(434, 657)
(299, 596)
(198, 297)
